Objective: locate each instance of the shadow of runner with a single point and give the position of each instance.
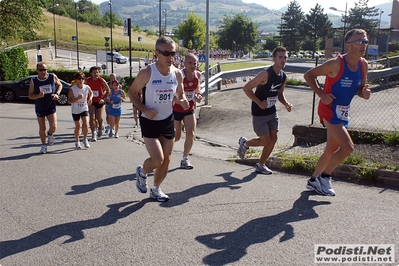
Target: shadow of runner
(73, 229)
(180, 198)
(233, 245)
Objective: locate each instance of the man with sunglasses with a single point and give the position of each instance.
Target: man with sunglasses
(45, 89)
(346, 76)
(161, 83)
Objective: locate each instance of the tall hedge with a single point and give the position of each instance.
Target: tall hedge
(13, 64)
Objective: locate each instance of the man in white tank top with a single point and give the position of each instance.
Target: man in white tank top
(159, 83)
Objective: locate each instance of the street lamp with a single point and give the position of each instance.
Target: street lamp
(166, 12)
(378, 32)
(77, 38)
(112, 51)
(160, 12)
(343, 38)
(55, 38)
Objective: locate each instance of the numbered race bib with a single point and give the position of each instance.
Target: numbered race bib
(271, 101)
(343, 112)
(95, 94)
(190, 95)
(116, 105)
(46, 88)
(163, 96)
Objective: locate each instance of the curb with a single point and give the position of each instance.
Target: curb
(349, 173)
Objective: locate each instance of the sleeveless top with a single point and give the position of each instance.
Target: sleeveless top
(116, 98)
(190, 87)
(96, 87)
(159, 92)
(81, 105)
(268, 92)
(344, 87)
(49, 87)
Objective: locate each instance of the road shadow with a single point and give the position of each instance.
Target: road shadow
(233, 245)
(81, 189)
(75, 230)
(182, 197)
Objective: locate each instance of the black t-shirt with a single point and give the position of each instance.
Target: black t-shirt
(269, 92)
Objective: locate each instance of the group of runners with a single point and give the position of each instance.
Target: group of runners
(165, 97)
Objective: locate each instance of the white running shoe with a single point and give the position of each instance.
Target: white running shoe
(156, 193)
(315, 185)
(77, 145)
(141, 180)
(263, 169)
(242, 149)
(86, 143)
(50, 139)
(185, 164)
(93, 137)
(326, 187)
(43, 149)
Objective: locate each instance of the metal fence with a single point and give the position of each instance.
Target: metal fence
(378, 114)
(381, 112)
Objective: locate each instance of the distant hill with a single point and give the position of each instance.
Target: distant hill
(145, 13)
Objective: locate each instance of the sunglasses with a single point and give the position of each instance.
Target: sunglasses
(80, 78)
(166, 53)
(42, 69)
(360, 42)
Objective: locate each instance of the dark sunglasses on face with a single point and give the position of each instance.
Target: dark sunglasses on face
(42, 69)
(80, 78)
(166, 53)
(360, 42)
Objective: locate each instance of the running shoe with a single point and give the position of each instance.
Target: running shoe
(93, 137)
(106, 129)
(110, 134)
(242, 149)
(50, 139)
(263, 169)
(141, 180)
(43, 149)
(117, 136)
(156, 193)
(135, 126)
(86, 143)
(77, 145)
(325, 183)
(315, 185)
(185, 164)
(99, 132)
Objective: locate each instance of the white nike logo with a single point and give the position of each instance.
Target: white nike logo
(274, 86)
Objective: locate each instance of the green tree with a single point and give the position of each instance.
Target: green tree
(192, 32)
(115, 20)
(238, 29)
(290, 27)
(19, 20)
(271, 42)
(316, 26)
(363, 17)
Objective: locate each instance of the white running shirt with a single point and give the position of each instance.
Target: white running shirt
(160, 91)
(81, 105)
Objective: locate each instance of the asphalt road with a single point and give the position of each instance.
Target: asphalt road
(81, 207)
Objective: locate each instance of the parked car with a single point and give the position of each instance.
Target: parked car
(263, 54)
(18, 90)
(118, 58)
